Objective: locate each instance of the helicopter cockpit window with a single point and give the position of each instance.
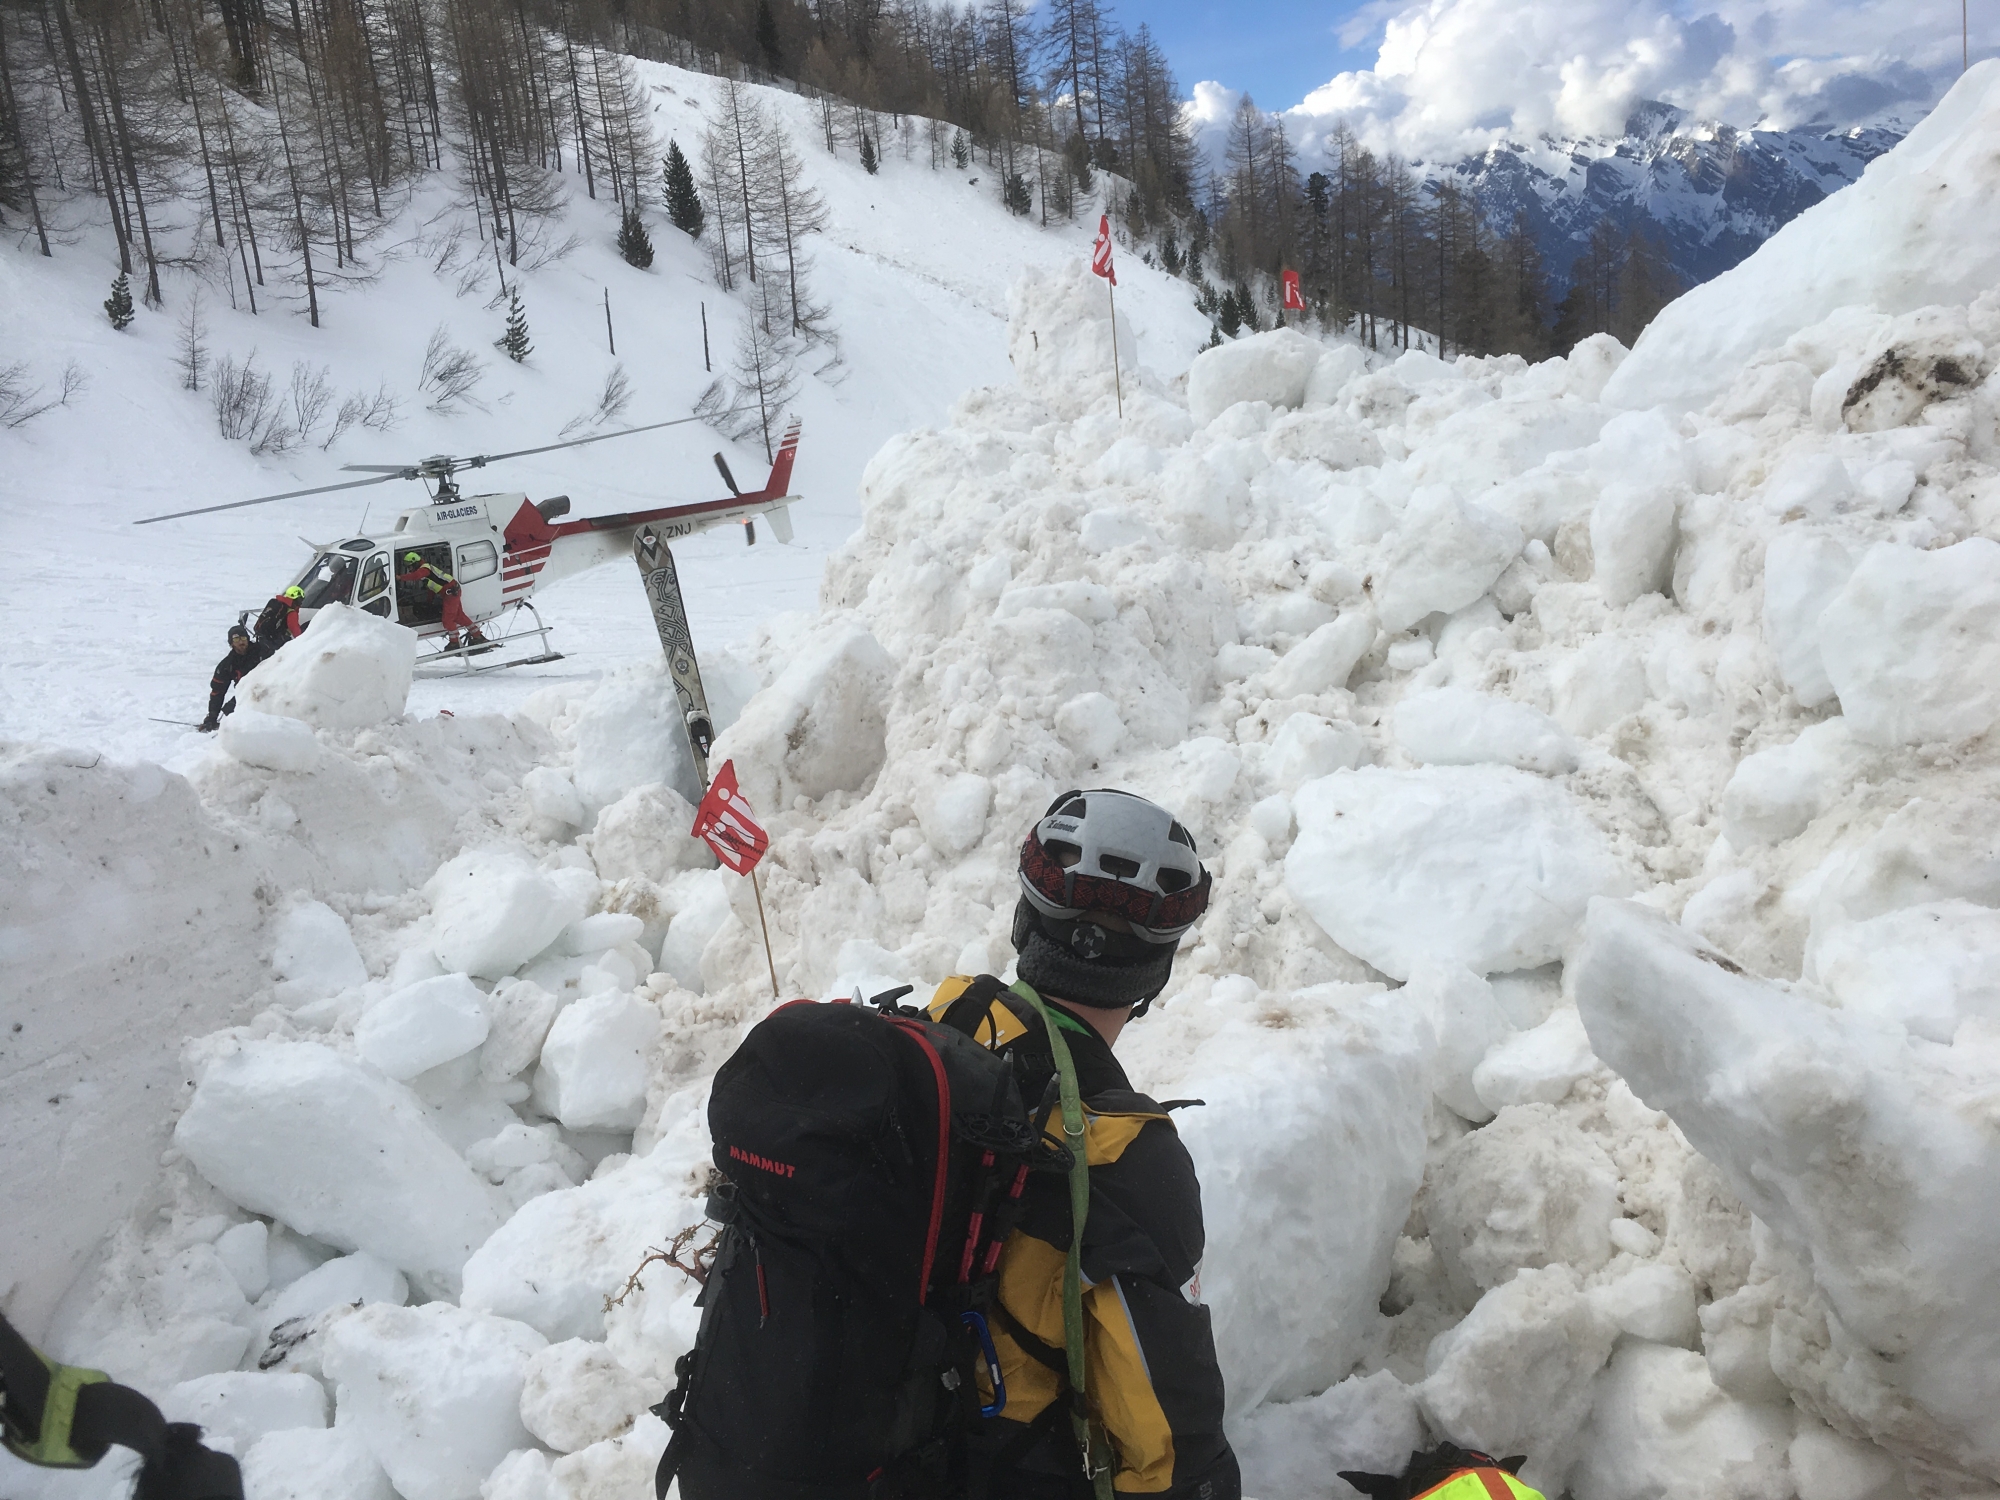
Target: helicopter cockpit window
(477, 560)
(374, 576)
(330, 580)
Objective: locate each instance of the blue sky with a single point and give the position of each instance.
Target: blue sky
(1279, 50)
(1426, 77)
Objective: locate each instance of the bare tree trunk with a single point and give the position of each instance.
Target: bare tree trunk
(91, 139)
(20, 141)
(117, 96)
(298, 203)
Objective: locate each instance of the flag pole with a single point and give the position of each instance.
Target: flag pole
(1117, 381)
(769, 962)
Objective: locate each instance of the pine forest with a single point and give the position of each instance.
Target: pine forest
(268, 146)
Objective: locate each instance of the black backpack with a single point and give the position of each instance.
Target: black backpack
(872, 1163)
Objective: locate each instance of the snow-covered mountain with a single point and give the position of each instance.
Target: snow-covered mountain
(1707, 193)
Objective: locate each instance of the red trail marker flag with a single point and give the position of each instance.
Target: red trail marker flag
(1294, 300)
(724, 823)
(1100, 251)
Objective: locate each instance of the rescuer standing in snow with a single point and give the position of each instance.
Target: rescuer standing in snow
(244, 654)
(279, 621)
(441, 583)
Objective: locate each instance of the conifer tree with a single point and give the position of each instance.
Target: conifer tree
(1246, 307)
(767, 37)
(683, 198)
(514, 342)
(1015, 195)
(870, 162)
(961, 151)
(633, 242)
(118, 306)
(1229, 317)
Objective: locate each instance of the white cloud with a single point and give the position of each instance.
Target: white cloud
(1453, 75)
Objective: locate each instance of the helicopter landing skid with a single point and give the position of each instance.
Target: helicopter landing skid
(458, 661)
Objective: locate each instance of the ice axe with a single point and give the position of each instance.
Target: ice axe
(749, 526)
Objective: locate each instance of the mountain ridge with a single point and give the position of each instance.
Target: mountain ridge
(1707, 193)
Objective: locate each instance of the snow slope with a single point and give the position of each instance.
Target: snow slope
(1596, 1009)
(914, 263)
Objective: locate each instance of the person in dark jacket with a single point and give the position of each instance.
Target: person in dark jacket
(244, 654)
(278, 622)
(1109, 883)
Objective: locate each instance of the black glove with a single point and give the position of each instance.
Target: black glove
(229, 707)
(209, 725)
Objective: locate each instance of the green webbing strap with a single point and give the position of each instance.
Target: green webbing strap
(43, 1436)
(1090, 1443)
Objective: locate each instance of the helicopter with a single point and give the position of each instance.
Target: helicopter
(501, 547)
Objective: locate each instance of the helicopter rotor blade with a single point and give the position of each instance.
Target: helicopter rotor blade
(488, 458)
(352, 484)
(722, 468)
(384, 473)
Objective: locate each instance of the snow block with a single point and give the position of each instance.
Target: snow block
(1517, 1375)
(492, 911)
(434, 1391)
(330, 1463)
(1269, 367)
(1633, 529)
(1855, 1148)
(348, 670)
(1368, 1423)
(1324, 660)
(1455, 726)
(345, 1281)
(1307, 746)
(240, 1406)
(1444, 554)
(1659, 1426)
(1529, 1190)
(1296, 1264)
(314, 954)
(1481, 866)
(1921, 226)
(1467, 1022)
(596, 1060)
(416, 1028)
(1928, 968)
(1336, 366)
(521, 1013)
(821, 726)
(275, 742)
(552, 798)
(1059, 334)
(647, 832)
(1537, 1066)
(296, 1131)
(552, 1265)
(1912, 643)
(1773, 794)
(577, 1394)
(630, 734)
(952, 812)
(1803, 571)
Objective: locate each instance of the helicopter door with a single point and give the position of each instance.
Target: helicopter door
(374, 595)
(416, 604)
(478, 573)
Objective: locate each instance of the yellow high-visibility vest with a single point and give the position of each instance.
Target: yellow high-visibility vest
(1481, 1484)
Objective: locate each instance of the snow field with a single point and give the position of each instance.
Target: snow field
(1682, 1193)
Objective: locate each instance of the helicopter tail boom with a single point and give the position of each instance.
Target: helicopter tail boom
(541, 550)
